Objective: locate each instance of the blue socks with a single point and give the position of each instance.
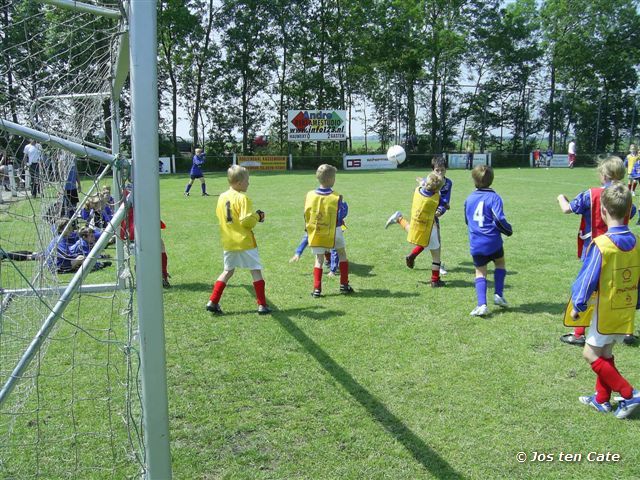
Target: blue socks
(481, 290)
(188, 188)
(498, 276)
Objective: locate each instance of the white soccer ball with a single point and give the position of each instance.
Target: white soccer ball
(396, 154)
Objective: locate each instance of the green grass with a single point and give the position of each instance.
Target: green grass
(394, 382)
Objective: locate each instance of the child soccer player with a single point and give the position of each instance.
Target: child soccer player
(486, 222)
(592, 225)
(237, 219)
(196, 172)
(630, 162)
(611, 269)
(422, 230)
(324, 213)
(439, 166)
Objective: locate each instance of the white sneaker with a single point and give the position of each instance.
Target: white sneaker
(393, 219)
(627, 407)
(479, 311)
(442, 270)
(500, 301)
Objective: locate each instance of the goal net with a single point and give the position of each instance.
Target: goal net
(70, 404)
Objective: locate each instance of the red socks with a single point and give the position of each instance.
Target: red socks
(165, 274)
(218, 288)
(344, 272)
(579, 331)
(259, 288)
(435, 272)
(609, 379)
(417, 251)
(317, 278)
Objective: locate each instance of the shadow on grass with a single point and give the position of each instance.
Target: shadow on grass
(192, 287)
(360, 270)
(422, 453)
(376, 292)
(540, 307)
(450, 283)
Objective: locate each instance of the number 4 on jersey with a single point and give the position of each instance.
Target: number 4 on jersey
(478, 216)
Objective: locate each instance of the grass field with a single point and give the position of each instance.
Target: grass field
(396, 381)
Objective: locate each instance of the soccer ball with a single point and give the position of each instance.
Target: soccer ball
(396, 154)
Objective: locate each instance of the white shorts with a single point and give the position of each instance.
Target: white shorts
(596, 339)
(339, 243)
(434, 239)
(242, 259)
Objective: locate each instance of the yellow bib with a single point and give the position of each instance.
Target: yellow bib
(423, 211)
(321, 217)
(631, 161)
(617, 293)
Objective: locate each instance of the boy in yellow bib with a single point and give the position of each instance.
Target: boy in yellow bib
(237, 219)
(611, 273)
(324, 213)
(422, 230)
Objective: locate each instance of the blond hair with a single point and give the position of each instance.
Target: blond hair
(611, 168)
(482, 176)
(237, 174)
(198, 151)
(325, 173)
(616, 198)
(433, 182)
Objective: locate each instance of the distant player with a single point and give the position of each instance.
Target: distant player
(422, 229)
(592, 225)
(630, 161)
(324, 213)
(611, 271)
(237, 219)
(536, 158)
(196, 172)
(486, 223)
(549, 155)
(572, 153)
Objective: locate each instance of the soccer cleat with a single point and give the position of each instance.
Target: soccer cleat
(187, 194)
(630, 339)
(205, 194)
(263, 310)
(572, 339)
(317, 293)
(437, 283)
(165, 282)
(627, 406)
(411, 261)
(500, 301)
(442, 270)
(395, 218)
(604, 407)
(479, 311)
(214, 308)
(346, 289)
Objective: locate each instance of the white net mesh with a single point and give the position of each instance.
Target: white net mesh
(75, 411)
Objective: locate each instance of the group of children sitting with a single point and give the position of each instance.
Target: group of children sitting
(604, 295)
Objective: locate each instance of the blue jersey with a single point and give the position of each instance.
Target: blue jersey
(588, 279)
(445, 197)
(485, 221)
(198, 163)
(635, 173)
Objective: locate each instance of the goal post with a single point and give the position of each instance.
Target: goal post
(144, 135)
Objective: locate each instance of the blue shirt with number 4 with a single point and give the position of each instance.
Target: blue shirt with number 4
(485, 221)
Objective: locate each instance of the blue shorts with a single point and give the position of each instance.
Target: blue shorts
(482, 260)
(196, 175)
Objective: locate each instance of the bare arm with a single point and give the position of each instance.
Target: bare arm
(564, 204)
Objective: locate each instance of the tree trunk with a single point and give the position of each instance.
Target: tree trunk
(552, 108)
(204, 54)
